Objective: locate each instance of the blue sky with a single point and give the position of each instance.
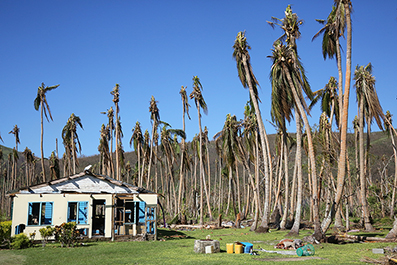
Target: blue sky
(155, 47)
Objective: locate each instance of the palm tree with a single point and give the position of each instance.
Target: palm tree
(333, 29)
(103, 149)
(15, 132)
(168, 141)
(155, 118)
(388, 125)
(283, 59)
(116, 95)
(329, 100)
(137, 140)
(29, 158)
(110, 115)
(343, 11)
(41, 101)
(368, 105)
(70, 137)
(200, 104)
(248, 80)
(54, 166)
(226, 141)
(185, 108)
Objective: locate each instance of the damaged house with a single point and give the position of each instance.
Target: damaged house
(101, 207)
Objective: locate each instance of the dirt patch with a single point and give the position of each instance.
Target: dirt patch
(288, 259)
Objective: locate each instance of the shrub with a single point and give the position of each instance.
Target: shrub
(45, 234)
(5, 232)
(66, 234)
(21, 241)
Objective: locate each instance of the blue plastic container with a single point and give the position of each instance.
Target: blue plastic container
(247, 247)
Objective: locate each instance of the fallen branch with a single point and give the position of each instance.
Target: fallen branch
(364, 238)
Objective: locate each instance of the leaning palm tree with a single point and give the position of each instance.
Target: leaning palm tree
(200, 104)
(248, 80)
(370, 107)
(185, 108)
(155, 118)
(71, 138)
(41, 102)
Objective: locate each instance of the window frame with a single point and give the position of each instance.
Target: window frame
(78, 221)
(40, 221)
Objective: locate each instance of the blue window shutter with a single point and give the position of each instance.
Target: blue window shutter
(151, 213)
(30, 208)
(48, 213)
(142, 212)
(83, 212)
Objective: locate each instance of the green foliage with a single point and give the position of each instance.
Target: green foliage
(5, 232)
(66, 234)
(45, 233)
(21, 241)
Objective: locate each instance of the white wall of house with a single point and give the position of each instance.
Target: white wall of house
(59, 211)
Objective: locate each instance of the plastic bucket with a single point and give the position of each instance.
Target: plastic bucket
(307, 250)
(238, 248)
(229, 248)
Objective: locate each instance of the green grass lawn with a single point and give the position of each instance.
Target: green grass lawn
(179, 250)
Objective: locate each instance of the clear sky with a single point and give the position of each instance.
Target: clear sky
(155, 47)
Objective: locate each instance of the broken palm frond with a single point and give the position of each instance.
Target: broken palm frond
(364, 238)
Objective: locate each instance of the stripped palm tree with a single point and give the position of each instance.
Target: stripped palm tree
(248, 80)
(71, 138)
(116, 97)
(137, 140)
(370, 108)
(41, 102)
(155, 118)
(200, 104)
(103, 149)
(15, 132)
(184, 155)
(54, 166)
(29, 158)
(388, 126)
(110, 126)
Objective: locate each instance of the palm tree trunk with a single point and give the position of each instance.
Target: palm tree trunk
(151, 154)
(265, 218)
(393, 197)
(343, 118)
(41, 141)
(296, 225)
(317, 227)
(286, 192)
(365, 211)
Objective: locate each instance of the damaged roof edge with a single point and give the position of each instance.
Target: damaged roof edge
(29, 189)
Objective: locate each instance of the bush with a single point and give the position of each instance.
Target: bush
(66, 234)
(21, 241)
(45, 234)
(5, 232)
